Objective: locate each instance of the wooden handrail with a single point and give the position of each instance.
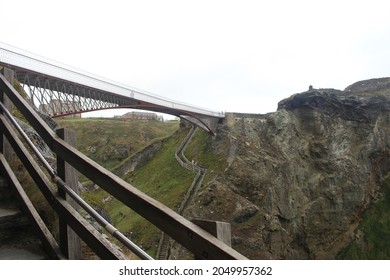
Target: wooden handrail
(191, 236)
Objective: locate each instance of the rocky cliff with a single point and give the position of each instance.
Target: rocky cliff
(297, 180)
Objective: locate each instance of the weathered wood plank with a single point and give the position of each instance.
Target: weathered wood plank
(220, 230)
(69, 241)
(5, 147)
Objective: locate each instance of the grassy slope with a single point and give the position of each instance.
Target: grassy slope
(201, 151)
(161, 178)
(115, 139)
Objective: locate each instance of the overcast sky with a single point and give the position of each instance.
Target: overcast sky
(241, 56)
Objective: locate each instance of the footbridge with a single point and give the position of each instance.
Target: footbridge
(58, 90)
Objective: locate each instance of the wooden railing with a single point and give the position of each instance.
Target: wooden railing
(203, 244)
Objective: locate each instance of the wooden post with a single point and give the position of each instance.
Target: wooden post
(220, 230)
(4, 144)
(69, 241)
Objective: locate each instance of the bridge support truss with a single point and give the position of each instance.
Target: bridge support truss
(59, 98)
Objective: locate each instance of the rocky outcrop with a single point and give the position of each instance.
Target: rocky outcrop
(298, 180)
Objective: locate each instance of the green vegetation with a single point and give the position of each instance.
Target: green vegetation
(163, 178)
(375, 226)
(110, 141)
(201, 151)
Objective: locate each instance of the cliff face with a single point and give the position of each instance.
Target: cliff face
(298, 180)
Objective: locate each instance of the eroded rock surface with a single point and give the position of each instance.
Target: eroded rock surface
(298, 180)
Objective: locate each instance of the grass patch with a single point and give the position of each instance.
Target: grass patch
(110, 141)
(202, 152)
(162, 177)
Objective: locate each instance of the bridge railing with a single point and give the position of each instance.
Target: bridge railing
(195, 239)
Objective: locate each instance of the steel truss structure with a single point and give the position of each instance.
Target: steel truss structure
(58, 98)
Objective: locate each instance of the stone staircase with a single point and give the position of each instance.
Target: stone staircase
(17, 238)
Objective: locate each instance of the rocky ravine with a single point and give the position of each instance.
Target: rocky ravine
(298, 180)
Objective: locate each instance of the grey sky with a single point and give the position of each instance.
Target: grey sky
(241, 56)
